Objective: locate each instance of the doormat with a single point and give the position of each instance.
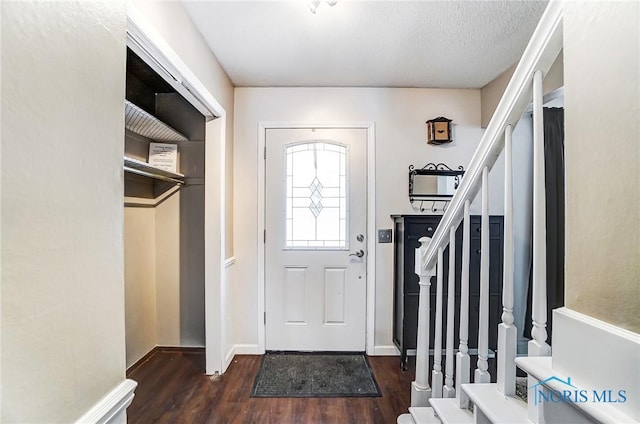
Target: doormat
(293, 374)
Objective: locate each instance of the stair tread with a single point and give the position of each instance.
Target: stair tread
(497, 407)
(423, 414)
(541, 368)
(405, 419)
(448, 412)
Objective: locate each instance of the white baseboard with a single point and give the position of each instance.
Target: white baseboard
(253, 349)
(112, 408)
(248, 349)
(382, 350)
(240, 349)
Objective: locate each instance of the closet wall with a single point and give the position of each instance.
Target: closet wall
(140, 278)
(164, 227)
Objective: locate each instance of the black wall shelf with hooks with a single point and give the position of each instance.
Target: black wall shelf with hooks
(421, 195)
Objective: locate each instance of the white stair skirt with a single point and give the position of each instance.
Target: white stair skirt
(615, 351)
(600, 360)
(491, 406)
(448, 412)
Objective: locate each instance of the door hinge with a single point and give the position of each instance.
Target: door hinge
(264, 236)
(265, 152)
(265, 318)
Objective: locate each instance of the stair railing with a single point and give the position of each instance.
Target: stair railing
(525, 85)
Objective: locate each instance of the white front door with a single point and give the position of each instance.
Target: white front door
(315, 264)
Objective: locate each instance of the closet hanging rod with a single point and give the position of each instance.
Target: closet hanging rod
(139, 167)
(143, 168)
(153, 175)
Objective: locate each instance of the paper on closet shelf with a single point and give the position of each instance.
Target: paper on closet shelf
(164, 156)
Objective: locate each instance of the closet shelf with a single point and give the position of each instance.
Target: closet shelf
(147, 125)
(138, 167)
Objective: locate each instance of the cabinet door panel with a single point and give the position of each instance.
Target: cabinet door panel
(410, 229)
(411, 316)
(411, 279)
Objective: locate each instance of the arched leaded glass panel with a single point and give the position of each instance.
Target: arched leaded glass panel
(316, 195)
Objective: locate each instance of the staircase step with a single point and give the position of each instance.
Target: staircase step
(541, 368)
(423, 415)
(448, 412)
(495, 406)
(405, 419)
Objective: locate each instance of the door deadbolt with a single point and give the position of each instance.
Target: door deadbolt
(360, 238)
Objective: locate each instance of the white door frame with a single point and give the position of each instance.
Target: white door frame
(263, 126)
(145, 41)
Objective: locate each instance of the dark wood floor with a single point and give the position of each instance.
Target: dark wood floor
(173, 389)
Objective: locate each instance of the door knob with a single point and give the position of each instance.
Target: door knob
(359, 253)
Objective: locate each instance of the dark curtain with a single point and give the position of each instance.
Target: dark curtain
(554, 185)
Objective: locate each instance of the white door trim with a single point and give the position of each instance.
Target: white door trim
(143, 39)
(263, 126)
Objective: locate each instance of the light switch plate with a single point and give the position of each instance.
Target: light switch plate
(384, 236)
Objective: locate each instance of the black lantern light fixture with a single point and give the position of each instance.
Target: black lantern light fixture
(439, 130)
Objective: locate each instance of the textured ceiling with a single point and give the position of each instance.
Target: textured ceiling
(454, 44)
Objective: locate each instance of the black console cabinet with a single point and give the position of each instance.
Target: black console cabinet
(408, 230)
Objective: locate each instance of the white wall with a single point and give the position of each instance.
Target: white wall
(140, 282)
(167, 264)
(492, 92)
(63, 341)
(602, 129)
(228, 310)
(399, 116)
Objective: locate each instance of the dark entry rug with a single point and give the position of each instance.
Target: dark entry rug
(314, 375)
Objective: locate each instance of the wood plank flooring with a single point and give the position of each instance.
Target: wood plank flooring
(172, 388)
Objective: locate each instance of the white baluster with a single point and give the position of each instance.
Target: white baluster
(449, 391)
(482, 371)
(507, 333)
(463, 362)
(436, 375)
(420, 390)
(538, 346)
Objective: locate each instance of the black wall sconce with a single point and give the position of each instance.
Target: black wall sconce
(439, 130)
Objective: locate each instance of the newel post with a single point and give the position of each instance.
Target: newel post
(420, 390)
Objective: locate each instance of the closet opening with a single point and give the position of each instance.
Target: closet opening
(164, 214)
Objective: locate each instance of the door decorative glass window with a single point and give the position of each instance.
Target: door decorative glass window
(316, 195)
